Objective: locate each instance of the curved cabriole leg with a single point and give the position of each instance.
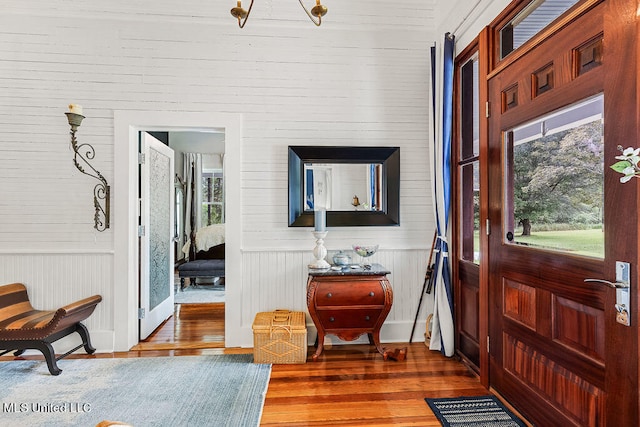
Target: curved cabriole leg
(47, 350)
(319, 344)
(371, 341)
(375, 337)
(84, 334)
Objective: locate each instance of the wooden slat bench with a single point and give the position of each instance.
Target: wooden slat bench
(22, 327)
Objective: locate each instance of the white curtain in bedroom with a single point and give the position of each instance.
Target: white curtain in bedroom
(193, 180)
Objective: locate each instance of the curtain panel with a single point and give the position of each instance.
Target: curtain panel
(442, 64)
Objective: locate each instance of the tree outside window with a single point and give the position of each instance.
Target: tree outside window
(555, 186)
(212, 210)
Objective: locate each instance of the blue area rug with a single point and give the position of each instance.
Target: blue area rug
(225, 390)
(475, 411)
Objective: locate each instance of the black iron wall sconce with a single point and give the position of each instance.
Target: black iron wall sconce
(82, 153)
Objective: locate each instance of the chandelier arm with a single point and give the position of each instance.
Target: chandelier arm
(318, 22)
(246, 17)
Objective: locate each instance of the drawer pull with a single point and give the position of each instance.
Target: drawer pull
(329, 295)
(367, 318)
(332, 319)
(371, 294)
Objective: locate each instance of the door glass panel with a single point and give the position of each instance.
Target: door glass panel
(471, 212)
(469, 163)
(530, 21)
(161, 185)
(555, 181)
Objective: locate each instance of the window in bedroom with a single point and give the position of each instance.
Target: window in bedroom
(212, 197)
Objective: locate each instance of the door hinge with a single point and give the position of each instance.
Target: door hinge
(488, 227)
(140, 313)
(141, 230)
(487, 110)
(141, 158)
(488, 346)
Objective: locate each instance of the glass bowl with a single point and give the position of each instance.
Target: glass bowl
(365, 250)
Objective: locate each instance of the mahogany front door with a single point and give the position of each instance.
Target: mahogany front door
(558, 346)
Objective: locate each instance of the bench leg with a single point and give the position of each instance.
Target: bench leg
(47, 350)
(86, 341)
(182, 283)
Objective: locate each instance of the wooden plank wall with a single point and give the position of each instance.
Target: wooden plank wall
(359, 79)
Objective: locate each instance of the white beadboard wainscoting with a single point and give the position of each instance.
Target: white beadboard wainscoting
(273, 280)
(54, 280)
(270, 280)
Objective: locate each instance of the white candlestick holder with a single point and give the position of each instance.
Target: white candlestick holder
(319, 252)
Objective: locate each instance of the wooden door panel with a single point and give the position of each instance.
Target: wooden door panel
(467, 314)
(579, 327)
(576, 400)
(564, 328)
(516, 95)
(519, 303)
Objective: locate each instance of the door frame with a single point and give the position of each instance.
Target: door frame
(127, 124)
(480, 47)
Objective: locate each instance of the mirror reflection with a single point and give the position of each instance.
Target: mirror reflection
(343, 187)
(358, 186)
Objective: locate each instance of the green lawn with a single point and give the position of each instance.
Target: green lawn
(580, 242)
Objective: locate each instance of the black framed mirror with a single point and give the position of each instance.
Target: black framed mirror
(362, 185)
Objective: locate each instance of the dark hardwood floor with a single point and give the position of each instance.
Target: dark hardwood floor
(350, 385)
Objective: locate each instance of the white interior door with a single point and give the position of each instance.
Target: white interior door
(157, 211)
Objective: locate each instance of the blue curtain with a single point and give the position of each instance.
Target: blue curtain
(442, 334)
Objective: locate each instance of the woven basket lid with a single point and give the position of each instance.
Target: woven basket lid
(295, 320)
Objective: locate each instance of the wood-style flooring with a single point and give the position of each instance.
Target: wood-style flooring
(350, 385)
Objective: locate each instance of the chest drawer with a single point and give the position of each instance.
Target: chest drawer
(351, 293)
(356, 318)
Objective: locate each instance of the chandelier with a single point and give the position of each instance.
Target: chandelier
(317, 12)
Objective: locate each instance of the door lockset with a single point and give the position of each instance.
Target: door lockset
(623, 300)
(622, 286)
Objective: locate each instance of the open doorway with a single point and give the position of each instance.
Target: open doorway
(199, 226)
(192, 234)
(128, 124)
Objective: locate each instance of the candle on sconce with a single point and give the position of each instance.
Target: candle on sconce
(75, 109)
(320, 220)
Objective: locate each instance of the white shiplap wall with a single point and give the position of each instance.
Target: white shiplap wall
(359, 79)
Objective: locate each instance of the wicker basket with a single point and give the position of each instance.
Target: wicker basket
(280, 337)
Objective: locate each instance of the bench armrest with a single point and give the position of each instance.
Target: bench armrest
(74, 312)
(71, 309)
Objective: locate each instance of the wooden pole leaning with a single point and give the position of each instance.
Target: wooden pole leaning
(427, 281)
